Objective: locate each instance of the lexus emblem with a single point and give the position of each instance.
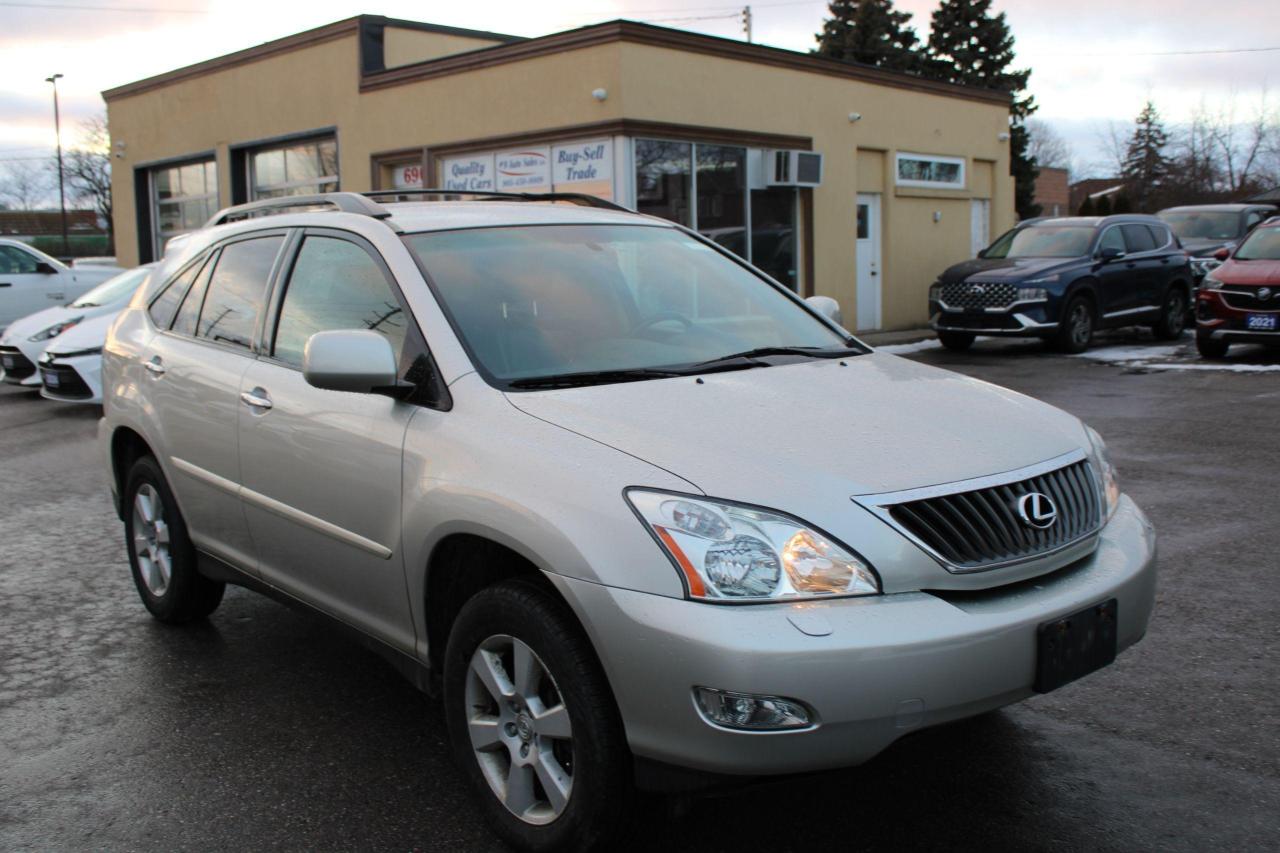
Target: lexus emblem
(1037, 510)
(1264, 293)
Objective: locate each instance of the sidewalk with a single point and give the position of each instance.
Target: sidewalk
(902, 336)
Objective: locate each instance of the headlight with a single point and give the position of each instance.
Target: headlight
(730, 552)
(54, 330)
(1202, 266)
(1104, 473)
(1034, 294)
(935, 291)
(1211, 281)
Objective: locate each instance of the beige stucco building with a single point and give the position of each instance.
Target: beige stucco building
(913, 175)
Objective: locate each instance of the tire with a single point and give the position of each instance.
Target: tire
(1077, 325)
(1173, 315)
(956, 341)
(1209, 348)
(592, 767)
(155, 534)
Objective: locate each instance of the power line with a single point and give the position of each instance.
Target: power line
(77, 7)
(1163, 52)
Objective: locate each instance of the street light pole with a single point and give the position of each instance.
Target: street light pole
(62, 195)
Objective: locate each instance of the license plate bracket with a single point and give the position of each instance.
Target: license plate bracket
(1075, 645)
(1261, 322)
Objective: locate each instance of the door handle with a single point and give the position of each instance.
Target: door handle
(155, 366)
(6, 284)
(256, 399)
(57, 296)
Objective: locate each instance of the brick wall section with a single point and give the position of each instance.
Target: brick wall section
(1052, 192)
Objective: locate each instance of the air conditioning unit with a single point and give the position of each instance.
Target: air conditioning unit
(793, 168)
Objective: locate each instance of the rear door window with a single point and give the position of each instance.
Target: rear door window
(1137, 238)
(166, 303)
(184, 322)
(236, 290)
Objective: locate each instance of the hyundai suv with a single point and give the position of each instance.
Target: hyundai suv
(1063, 279)
(1240, 300)
(634, 509)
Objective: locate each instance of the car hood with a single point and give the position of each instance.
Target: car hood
(1004, 269)
(783, 435)
(1249, 272)
(21, 329)
(90, 334)
(1200, 246)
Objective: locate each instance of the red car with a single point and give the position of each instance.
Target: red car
(1239, 302)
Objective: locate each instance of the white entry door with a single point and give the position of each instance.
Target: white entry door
(868, 261)
(979, 225)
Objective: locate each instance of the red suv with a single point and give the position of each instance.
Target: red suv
(1240, 300)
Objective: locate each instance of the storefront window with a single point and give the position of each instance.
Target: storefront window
(721, 187)
(183, 198)
(773, 233)
(302, 169)
(664, 179)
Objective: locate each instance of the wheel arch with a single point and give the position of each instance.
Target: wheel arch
(127, 446)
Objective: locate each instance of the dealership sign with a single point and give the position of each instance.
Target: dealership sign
(535, 168)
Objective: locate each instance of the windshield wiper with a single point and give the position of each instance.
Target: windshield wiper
(759, 352)
(594, 377)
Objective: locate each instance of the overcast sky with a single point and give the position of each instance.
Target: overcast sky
(1092, 61)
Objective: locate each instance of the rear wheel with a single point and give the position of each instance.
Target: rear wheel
(958, 341)
(1075, 329)
(161, 555)
(1173, 316)
(532, 722)
(1211, 348)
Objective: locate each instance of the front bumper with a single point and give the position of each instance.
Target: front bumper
(872, 669)
(1219, 320)
(18, 363)
(72, 380)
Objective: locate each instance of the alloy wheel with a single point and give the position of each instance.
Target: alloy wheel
(520, 730)
(1175, 313)
(151, 540)
(1081, 324)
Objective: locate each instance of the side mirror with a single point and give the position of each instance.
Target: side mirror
(359, 361)
(982, 253)
(1222, 254)
(1111, 253)
(827, 307)
(45, 268)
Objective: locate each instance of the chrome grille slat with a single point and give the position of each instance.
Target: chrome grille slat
(979, 528)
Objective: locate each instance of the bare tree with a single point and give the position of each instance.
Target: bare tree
(1219, 157)
(88, 170)
(1113, 137)
(1046, 145)
(24, 185)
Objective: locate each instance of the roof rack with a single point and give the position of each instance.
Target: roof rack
(345, 202)
(583, 199)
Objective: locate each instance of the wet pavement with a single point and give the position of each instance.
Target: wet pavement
(264, 729)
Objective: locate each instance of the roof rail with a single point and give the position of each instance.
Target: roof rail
(345, 202)
(583, 199)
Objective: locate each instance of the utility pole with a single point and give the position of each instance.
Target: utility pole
(62, 195)
(746, 22)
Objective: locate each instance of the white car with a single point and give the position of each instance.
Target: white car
(31, 280)
(26, 340)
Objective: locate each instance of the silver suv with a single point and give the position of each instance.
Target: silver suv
(634, 508)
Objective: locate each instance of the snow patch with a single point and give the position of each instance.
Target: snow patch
(917, 346)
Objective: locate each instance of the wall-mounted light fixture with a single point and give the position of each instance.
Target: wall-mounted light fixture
(1003, 137)
(118, 145)
(599, 94)
(937, 216)
(855, 117)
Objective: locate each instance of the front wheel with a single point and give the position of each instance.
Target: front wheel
(1075, 329)
(161, 555)
(957, 341)
(533, 723)
(1210, 348)
(1173, 316)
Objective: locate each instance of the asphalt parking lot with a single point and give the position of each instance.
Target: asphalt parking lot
(263, 729)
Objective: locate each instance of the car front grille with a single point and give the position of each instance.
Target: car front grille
(17, 366)
(63, 381)
(983, 528)
(1246, 299)
(979, 294)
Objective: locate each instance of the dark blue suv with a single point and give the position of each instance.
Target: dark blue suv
(1062, 279)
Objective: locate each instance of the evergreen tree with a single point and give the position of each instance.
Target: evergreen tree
(870, 32)
(1122, 204)
(1103, 208)
(1146, 166)
(970, 46)
(1086, 207)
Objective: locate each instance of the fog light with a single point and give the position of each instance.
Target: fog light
(750, 712)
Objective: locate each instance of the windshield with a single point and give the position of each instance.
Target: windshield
(555, 300)
(115, 289)
(1044, 241)
(1262, 245)
(1204, 225)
